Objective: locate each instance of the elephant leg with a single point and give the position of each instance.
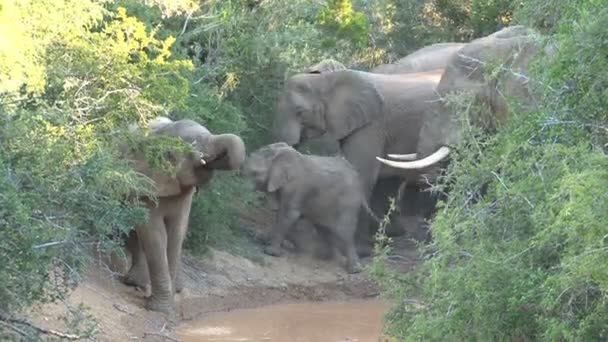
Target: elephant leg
(138, 273)
(345, 238)
(326, 246)
(153, 238)
(361, 149)
(303, 236)
(417, 205)
(379, 203)
(177, 226)
(286, 218)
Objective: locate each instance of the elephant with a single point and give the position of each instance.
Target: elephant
(431, 57)
(368, 114)
(156, 246)
(466, 71)
(324, 190)
(428, 58)
(414, 202)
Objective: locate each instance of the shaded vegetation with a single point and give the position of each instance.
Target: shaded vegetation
(525, 261)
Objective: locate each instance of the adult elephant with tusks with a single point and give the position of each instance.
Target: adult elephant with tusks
(156, 245)
(368, 114)
(473, 69)
(414, 205)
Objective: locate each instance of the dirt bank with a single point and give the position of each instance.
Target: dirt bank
(221, 282)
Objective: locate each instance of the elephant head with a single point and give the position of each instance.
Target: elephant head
(272, 166)
(211, 152)
(468, 71)
(333, 103)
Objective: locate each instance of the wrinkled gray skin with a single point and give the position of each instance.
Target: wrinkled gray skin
(325, 191)
(431, 57)
(428, 58)
(415, 204)
(515, 46)
(305, 239)
(368, 114)
(156, 246)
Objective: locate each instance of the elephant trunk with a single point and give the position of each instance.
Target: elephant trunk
(286, 127)
(229, 152)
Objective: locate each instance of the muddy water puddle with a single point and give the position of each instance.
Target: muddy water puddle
(351, 321)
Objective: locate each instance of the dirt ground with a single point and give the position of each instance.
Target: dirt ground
(218, 283)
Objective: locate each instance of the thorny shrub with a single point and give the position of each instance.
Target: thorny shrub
(519, 247)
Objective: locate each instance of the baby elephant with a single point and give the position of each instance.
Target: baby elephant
(326, 191)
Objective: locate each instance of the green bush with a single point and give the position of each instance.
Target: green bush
(398, 27)
(340, 18)
(519, 250)
(76, 75)
(248, 53)
(525, 260)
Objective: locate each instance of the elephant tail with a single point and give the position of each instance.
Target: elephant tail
(369, 211)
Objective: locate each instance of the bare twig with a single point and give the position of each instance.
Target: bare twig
(186, 24)
(121, 308)
(199, 80)
(14, 328)
(506, 188)
(160, 335)
(10, 322)
(49, 244)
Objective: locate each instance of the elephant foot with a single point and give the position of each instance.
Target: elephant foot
(354, 267)
(364, 250)
(179, 283)
(179, 287)
(136, 278)
(273, 251)
(165, 306)
(289, 245)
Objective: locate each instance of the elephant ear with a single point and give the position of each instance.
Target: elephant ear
(165, 184)
(352, 102)
(281, 169)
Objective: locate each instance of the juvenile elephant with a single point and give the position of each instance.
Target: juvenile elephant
(467, 70)
(157, 245)
(431, 57)
(325, 191)
(368, 114)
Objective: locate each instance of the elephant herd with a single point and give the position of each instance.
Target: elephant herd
(390, 123)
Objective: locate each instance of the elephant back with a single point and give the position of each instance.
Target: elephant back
(473, 68)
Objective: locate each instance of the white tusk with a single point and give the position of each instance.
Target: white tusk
(411, 156)
(434, 158)
(201, 155)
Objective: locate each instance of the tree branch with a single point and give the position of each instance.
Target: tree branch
(11, 322)
(186, 24)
